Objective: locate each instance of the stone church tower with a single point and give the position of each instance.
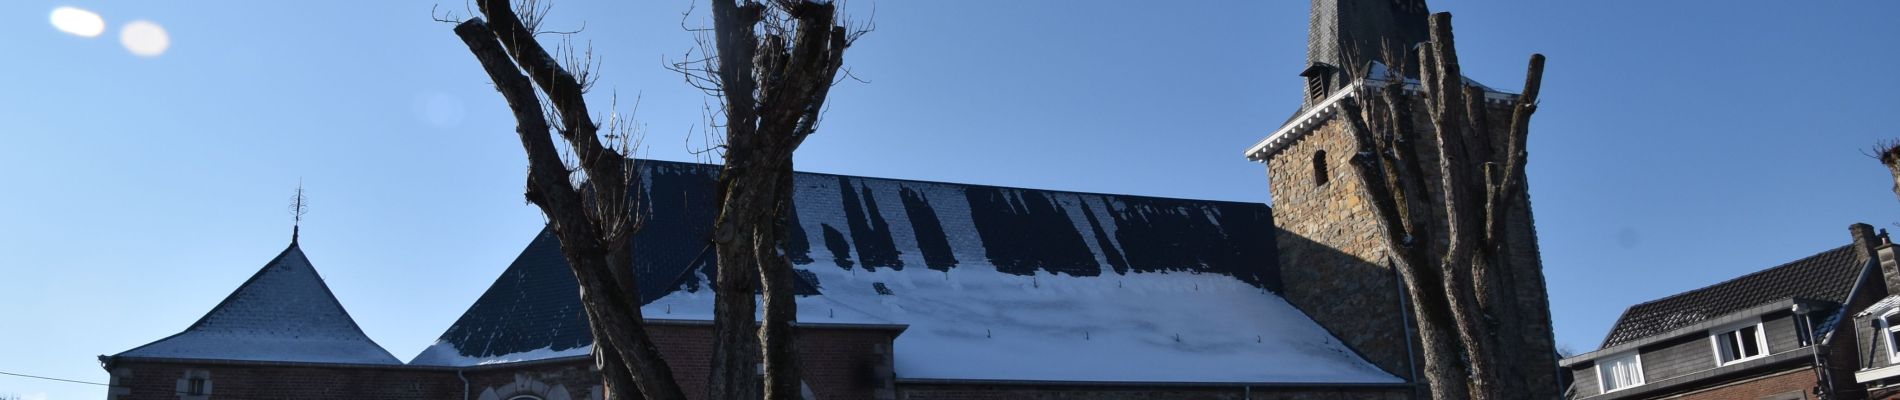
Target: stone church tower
(1329, 255)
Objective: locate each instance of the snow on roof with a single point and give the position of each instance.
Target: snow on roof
(993, 284)
(283, 313)
(1310, 116)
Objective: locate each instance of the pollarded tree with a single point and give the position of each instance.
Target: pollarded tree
(593, 219)
(1442, 198)
(772, 65)
(1889, 154)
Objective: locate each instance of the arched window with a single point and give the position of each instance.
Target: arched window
(1319, 168)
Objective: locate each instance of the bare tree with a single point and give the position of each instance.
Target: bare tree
(1888, 153)
(770, 65)
(585, 198)
(1442, 198)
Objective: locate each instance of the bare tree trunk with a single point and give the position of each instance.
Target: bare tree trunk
(1442, 215)
(593, 225)
(773, 85)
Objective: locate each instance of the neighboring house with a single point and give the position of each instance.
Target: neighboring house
(925, 290)
(1752, 337)
(1876, 328)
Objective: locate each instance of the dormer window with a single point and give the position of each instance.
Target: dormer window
(1738, 343)
(1890, 328)
(1319, 81)
(1618, 372)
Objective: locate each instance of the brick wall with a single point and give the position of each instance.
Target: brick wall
(839, 363)
(163, 380)
(939, 391)
(1795, 382)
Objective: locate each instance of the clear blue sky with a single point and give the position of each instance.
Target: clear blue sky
(1679, 144)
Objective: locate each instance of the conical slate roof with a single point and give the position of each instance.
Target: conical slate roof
(283, 313)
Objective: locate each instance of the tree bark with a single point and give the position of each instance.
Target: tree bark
(773, 87)
(1443, 215)
(592, 244)
(1890, 157)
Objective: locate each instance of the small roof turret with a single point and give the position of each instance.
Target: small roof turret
(283, 313)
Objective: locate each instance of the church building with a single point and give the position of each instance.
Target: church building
(919, 290)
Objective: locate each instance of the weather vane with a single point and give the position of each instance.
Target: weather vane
(297, 208)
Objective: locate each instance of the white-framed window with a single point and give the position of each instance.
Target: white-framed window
(1738, 343)
(1618, 372)
(1890, 326)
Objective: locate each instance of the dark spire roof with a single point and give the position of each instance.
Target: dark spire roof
(1357, 30)
(283, 313)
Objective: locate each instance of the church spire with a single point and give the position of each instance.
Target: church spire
(1357, 30)
(297, 209)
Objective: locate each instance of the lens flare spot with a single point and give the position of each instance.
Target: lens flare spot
(439, 110)
(145, 38)
(78, 22)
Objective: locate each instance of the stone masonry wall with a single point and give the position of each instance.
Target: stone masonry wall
(1334, 269)
(1328, 250)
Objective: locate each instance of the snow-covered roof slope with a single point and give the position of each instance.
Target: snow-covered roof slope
(283, 313)
(993, 283)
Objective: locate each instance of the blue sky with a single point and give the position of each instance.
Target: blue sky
(1679, 144)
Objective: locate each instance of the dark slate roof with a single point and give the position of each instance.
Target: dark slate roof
(283, 313)
(1827, 276)
(994, 283)
(1357, 29)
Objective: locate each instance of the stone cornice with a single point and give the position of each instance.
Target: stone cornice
(1322, 111)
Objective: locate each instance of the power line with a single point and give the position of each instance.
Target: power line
(52, 379)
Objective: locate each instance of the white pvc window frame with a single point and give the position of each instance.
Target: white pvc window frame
(1721, 344)
(1634, 361)
(1888, 333)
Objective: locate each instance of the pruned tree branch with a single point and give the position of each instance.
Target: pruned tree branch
(1441, 201)
(592, 222)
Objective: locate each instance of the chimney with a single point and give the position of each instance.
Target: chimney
(1878, 246)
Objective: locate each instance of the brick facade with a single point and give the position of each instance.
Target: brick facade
(839, 363)
(979, 391)
(242, 380)
(1793, 384)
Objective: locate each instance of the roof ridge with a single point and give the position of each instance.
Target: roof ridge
(1620, 329)
(1075, 192)
(1788, 264)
